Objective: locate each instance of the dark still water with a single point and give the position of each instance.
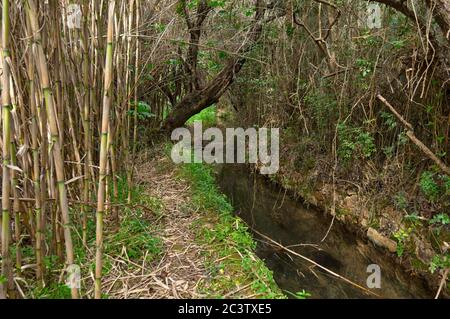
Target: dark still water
(270, 211)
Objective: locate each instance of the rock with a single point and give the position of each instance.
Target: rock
(365, 217)
(381, 240)
(424, 252)
(360, 213)
(351, 203)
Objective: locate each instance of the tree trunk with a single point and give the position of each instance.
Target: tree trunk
(442, 15)
(198, 100)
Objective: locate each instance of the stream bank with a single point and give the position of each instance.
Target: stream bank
(380, 205)
(271, 211)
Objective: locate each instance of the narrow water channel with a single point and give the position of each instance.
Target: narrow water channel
(270, 211)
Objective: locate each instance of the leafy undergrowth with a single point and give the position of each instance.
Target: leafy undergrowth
(234, 269)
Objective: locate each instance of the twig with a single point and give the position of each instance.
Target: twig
(444, 279)
(414, 139)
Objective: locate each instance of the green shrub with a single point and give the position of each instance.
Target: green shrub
(354, 142)
(208, 117)
(428, 186)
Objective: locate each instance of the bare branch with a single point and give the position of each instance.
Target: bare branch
(414, 139)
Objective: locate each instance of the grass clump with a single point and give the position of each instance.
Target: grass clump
(53, 291)
(139, 239)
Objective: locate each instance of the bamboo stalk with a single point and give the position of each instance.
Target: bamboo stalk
(36, 173)
(16, 207)
(126, 142)
(17, 134)
(6, 151)
(55, 135)
(135, 115)
(115, 190)
(104, 150)
(86, 121)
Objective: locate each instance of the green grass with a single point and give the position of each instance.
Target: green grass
(138, 237)
(228, 240)
(137, 234)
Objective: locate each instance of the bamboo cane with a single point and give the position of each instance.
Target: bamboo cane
(53, 126)
(6, 121)
(103, 149)
(135, 115)
(36, 172)
(86, 120)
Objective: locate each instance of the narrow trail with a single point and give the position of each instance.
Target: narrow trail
(181, 268)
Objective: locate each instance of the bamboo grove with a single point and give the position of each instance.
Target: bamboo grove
(68, 82)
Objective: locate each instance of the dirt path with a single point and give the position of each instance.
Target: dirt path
(181, 268)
